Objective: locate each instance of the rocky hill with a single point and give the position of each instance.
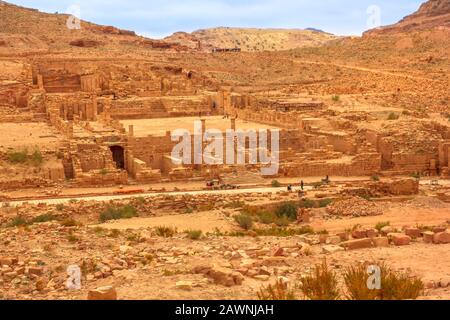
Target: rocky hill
(251, 40)
(23, 29)
(433, 14)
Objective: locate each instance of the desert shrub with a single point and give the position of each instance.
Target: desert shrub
(165, 232)
(72, 238)
(245, 221)
(114, 233)
(269, 217)
(335, 98)
(104, 172)
(394, 285)
(321, 285)
(416, 175)
(288, 210)
(276, 184)
(194, 234)
(375, 178)
(323, 232)
(60, 207)
(36, 158)
(141, 200)
(18, 157)
(355, 279)
(44, 218)
(278, 291)
(399, 286)
(307, 204)
(381, 225)
(393, 116)
(18, 221)
(69, 223)
(117, 213)
(323, 203)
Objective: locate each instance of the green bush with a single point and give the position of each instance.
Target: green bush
(381, 225)
(18, 157)
(393, 116)
(18, 221)
(335, 98)
(36, 158)
(117, 213)
(44, 218)
(165, 232)
(194, 234)
(244, 221)
(394, 285)
(288, 210)
(278, 291)
(323, 203)
(307, 204)
(321, 285)
(276, 184)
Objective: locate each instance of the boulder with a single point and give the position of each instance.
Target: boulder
(428, 236)
(413, 232)
(221, 276)
(184, 285)
(330, 249)
(334, 240)
(359, 234)
(381, 242)
(388, 229)
(103, 293)
(399, 239)
(357, 244)
(442, 238)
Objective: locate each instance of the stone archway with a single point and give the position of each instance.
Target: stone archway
(118, 154)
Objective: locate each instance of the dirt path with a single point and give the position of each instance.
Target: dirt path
(204, 221)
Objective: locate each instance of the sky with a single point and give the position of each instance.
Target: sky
(160, 18)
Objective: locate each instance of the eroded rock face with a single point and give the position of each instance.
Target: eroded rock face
(83, 43)
(432, 14)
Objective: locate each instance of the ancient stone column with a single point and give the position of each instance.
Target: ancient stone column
(94, 108)
(233, 123)
(131, 131)
(40, 81)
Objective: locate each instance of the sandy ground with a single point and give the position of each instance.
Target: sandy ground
(205, 221)
(145, 127)
(398, 217)
(28, 135)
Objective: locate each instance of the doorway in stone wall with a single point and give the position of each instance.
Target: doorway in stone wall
(118, 154)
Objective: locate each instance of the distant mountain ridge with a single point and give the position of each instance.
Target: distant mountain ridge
(251, 39)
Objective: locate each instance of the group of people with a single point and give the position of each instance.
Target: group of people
(302, 186)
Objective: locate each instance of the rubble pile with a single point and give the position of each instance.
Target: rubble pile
(354, 206)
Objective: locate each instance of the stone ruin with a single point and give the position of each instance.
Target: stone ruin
(88, 101)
